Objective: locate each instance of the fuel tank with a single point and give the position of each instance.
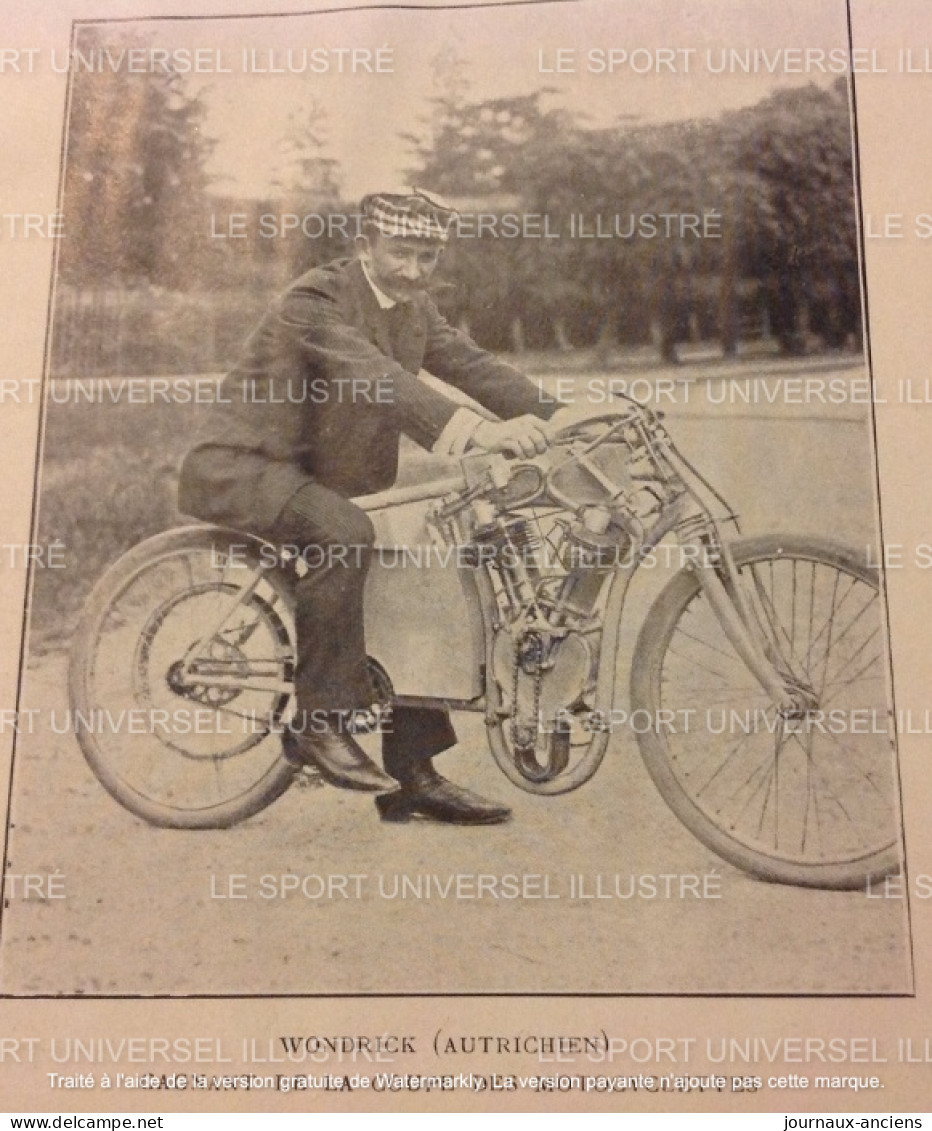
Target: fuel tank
(423, 622)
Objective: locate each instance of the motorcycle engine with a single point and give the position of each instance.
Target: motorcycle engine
(549, 568)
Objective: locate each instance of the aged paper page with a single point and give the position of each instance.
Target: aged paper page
(712, 891)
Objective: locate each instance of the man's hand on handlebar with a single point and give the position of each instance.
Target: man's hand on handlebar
(522, 436)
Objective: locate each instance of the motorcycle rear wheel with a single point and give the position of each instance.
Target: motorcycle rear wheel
(177, 754)
(810, 800)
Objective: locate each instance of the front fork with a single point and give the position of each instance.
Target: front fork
(721, 585)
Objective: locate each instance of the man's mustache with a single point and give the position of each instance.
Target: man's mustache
(430, 286)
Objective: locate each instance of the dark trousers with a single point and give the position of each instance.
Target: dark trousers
(336, 540)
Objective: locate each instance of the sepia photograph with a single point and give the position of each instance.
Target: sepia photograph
(465, 557)
(459, 513)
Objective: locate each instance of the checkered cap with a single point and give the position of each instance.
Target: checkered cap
(409, 214)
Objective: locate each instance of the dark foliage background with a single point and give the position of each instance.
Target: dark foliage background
(146, 287)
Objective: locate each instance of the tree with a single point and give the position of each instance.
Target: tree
(483, 155)
(789, 170)
(306, 168)
(309, 184)
(135, 179)
(777, 176)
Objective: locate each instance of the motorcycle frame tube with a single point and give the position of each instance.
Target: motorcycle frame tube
(481, 602)
(168, 538)
(243, 595)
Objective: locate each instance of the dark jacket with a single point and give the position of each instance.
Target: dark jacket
(289, 413)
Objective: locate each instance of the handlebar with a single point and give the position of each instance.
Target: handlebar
(562, 433)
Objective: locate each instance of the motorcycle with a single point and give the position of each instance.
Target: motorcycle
(757, 687)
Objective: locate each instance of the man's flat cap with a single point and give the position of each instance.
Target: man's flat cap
(408, 214)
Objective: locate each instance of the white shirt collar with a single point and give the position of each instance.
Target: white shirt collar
(381, 297)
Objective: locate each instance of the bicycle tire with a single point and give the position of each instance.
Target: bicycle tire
(254, 786)
(671, 662)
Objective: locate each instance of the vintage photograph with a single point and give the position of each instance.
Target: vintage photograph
(457, 495)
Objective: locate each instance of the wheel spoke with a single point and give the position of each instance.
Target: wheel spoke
(725, 761)
(786, 797)
(205, 750)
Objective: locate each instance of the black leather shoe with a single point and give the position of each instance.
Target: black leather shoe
(428, 795)
(339, 758)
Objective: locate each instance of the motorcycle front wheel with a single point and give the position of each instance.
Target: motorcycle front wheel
(181, 751)
(806, 796)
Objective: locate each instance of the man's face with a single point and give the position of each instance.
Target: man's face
(399, 266)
